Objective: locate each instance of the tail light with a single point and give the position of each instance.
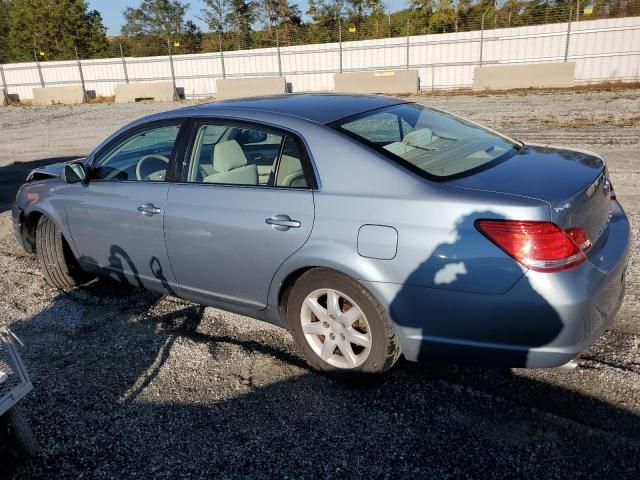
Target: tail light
(540, 246)
(612, 193)
(580, 237)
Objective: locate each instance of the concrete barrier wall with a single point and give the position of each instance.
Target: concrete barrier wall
(69, 95)
(134, 92)
(506, 77)
(384, 81)
(249, 87)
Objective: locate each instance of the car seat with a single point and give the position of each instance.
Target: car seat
(230, 164)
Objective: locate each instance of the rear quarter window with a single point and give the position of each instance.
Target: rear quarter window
(430, 141)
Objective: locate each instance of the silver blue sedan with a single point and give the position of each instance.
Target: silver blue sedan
(368, 226)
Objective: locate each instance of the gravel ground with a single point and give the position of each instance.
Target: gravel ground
(130, 384)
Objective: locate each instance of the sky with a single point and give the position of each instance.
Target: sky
(111, 11)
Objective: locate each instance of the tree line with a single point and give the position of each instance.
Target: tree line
(62, 29)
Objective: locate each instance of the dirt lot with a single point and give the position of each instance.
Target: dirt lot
(132, 385)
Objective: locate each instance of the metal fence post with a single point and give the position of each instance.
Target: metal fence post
(407, 44)
(481, 37)
(340, 42)
(84, 90)
(35, 54)
(566, 45)
(433, 78)
(124, 65)
(5, 90)
(278, 49)
(173, 72)
(224, 72)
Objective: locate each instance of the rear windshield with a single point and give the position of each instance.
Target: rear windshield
(437, 143)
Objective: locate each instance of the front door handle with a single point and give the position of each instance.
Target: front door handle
(149, 210)
(282, 222)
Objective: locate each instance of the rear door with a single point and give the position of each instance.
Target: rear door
(238, 213)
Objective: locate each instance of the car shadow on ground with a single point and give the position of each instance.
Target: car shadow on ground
(102, 406)
(13, 176)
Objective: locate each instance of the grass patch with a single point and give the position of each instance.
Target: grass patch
(102, 99)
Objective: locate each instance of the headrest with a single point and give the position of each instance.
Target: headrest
(227, 156)
(419, 137)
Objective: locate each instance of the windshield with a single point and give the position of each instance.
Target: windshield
(437, 143)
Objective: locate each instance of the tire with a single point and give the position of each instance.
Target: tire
(59, 267)
(374, 354)
(18, 433)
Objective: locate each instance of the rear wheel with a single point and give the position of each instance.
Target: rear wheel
(59, 266)
(339, 325)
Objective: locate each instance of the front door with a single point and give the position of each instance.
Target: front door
(232, 222)
(116, 219)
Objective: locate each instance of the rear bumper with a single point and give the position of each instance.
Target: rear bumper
(545, 320)
(586, 298)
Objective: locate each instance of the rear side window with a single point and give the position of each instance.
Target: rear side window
(437, 143)
(240, 155)
(289, 172)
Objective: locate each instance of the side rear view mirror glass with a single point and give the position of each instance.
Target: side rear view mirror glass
(252, 136)
(74, 173)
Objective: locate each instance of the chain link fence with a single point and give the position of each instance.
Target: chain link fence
(444, 53)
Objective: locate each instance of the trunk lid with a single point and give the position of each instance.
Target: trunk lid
(573, 182)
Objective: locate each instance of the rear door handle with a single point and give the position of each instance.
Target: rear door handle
(149, 210)
(282, 222)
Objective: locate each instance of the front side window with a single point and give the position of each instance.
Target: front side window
(142, 157)
(238, 155)
(437, 143)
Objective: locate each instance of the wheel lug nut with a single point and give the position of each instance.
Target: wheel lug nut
(332, 336)
(325, 324)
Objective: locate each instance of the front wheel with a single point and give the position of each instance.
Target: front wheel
(339, 325)
(59, 267)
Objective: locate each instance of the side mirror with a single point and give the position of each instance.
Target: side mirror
(252, 136)
(74, 173)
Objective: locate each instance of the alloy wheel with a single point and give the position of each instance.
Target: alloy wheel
(336, 328)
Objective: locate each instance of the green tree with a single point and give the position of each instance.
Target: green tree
(284, 16)
(191, 39)
(161, 18)
(215, 14)
(358, 10)
(421, 11)
(5, 54)
(55, 27)
(322, 10)
(242, 15)
(443, 18)
(234, 19)
(536, 12)
(93, 39)
(280, 12)
(463, 12)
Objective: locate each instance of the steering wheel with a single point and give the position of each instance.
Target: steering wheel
(159, 167)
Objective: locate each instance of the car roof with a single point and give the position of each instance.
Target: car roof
(317, 107)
